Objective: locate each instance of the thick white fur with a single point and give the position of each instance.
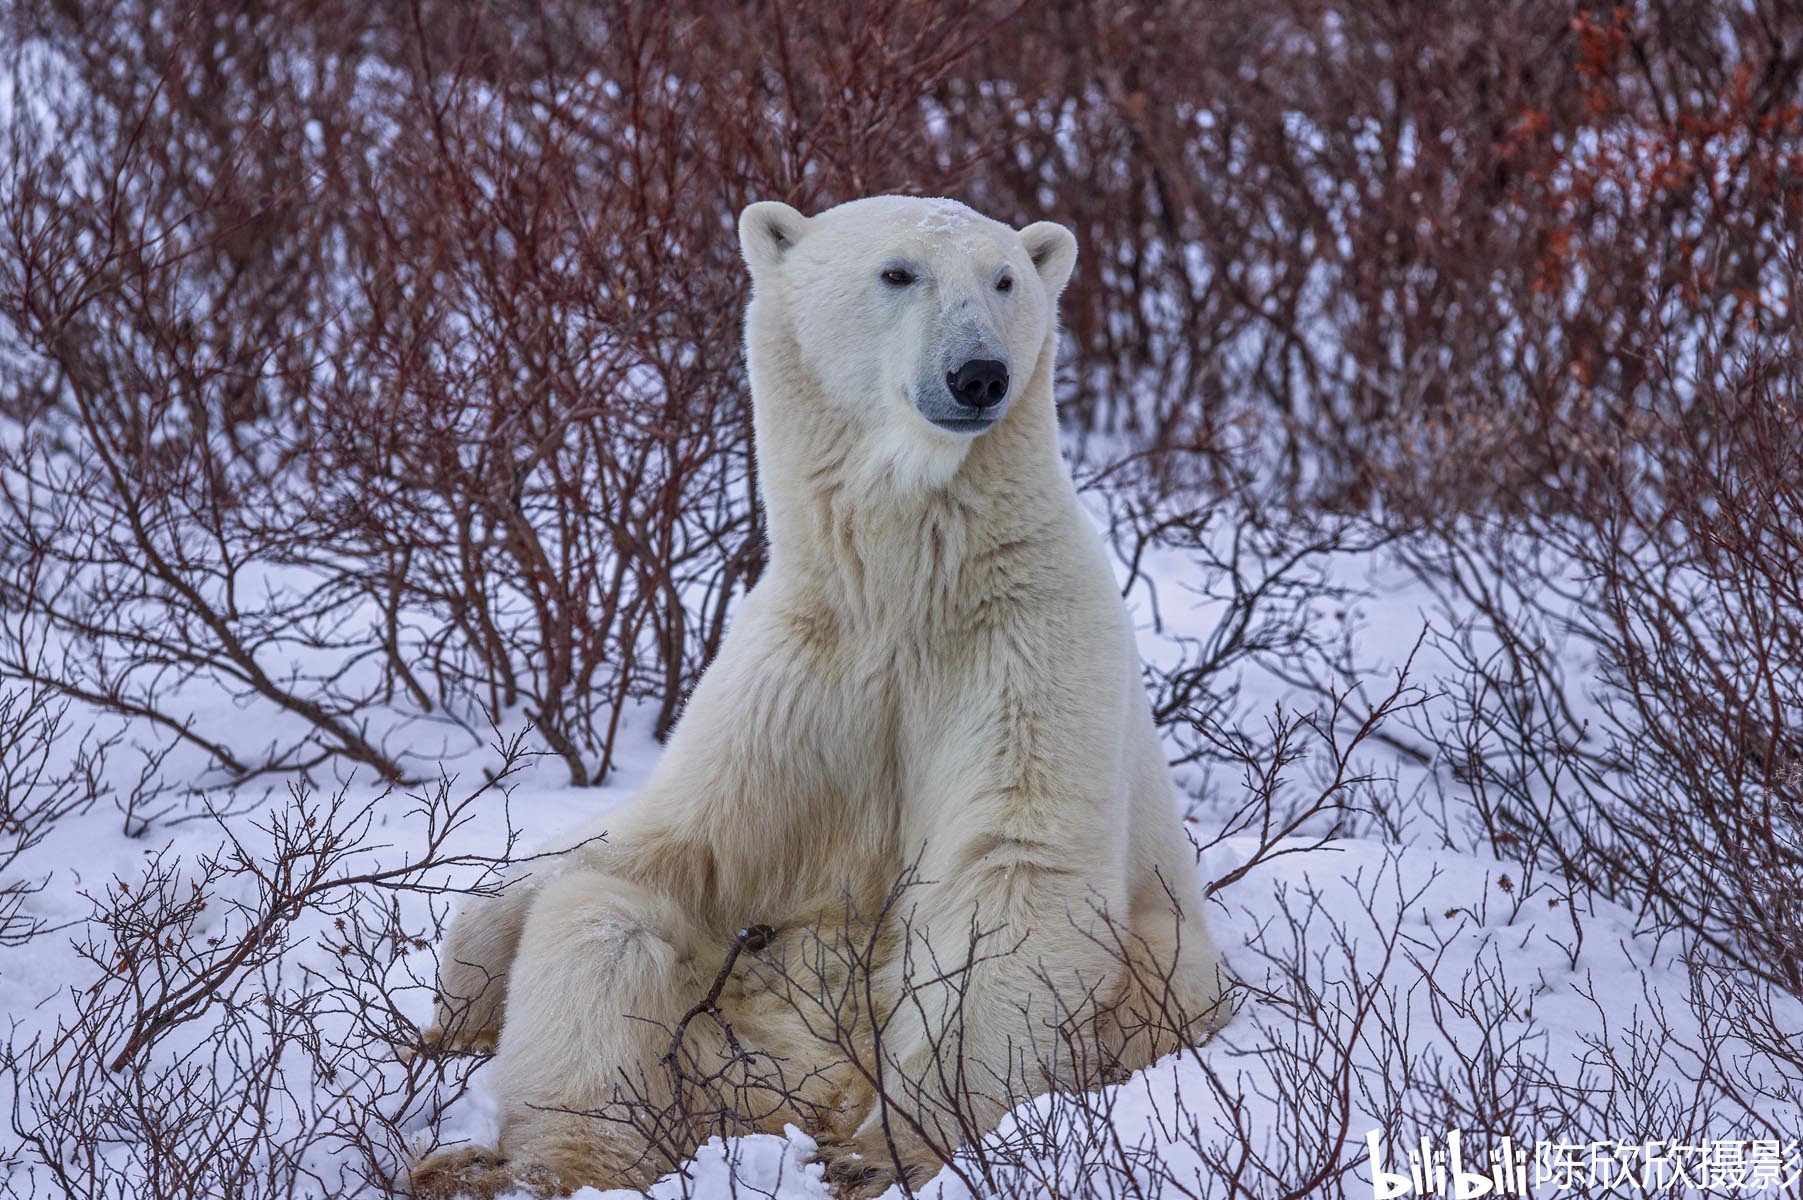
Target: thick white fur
(936, 669)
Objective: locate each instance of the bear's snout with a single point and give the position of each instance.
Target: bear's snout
(979, 383)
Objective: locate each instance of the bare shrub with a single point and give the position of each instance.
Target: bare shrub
(1663, 781)
(426, 395)
(426, 401)
(36, 792)
(1418, 251)
(198, 1058)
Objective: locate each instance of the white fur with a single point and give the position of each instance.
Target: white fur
(936, 669)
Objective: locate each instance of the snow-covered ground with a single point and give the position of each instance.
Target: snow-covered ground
(1405, 987)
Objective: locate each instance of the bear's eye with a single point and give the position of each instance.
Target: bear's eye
(897, 277)
(1005, 284)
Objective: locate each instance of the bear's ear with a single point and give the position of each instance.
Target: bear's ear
(768, 230)
(1053, 249)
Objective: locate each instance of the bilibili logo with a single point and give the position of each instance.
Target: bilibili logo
(1447, 1172)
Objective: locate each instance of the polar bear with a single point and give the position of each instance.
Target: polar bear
(923, 766)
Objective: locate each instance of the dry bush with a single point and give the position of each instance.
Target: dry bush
(1698, 568)
(425, 398)
(201, 1056)
(1667, 779)
(386, 361)
(1416, 250)
(157, 291)
(34, 796)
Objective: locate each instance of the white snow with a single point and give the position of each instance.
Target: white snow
(1457, 957)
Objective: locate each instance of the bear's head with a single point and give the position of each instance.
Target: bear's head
(917, 323)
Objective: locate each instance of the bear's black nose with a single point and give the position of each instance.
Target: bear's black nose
(979, 383)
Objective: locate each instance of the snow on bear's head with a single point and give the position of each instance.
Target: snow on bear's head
(918, 322)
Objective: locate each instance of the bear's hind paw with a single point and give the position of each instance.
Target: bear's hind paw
(434, 1042)
(855, 1177)
(469, 1171)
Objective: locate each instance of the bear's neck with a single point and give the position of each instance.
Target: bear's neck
(885, 542)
